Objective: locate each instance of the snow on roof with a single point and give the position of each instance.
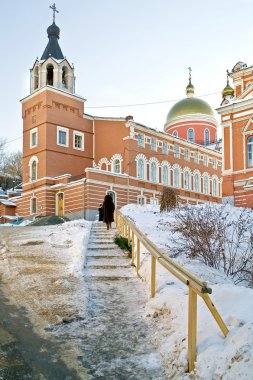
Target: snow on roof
(10, 217)
(7, 202)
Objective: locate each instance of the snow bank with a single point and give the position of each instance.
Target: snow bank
(217, 357)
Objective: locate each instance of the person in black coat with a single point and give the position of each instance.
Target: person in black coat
(108, 211)
(100, 210)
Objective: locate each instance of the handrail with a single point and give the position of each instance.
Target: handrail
(197, 287)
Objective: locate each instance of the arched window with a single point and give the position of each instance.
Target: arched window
(103, 166)
(175, 133)
(153, 172)
(36, 78)
(154, 201)
(176, 177)
(190, 136)
(196, 182)
(64, 76)
(207, 137)
(34, 171)
(187, 180)
(250, 151)
(116, 167)
(50, 75)
(206, 184)
(140, 169)
(165, 175)
(214, 187)
(33, 206)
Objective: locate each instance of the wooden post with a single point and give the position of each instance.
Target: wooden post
(192, 328)
(132, 247)
(128, 234)
(215, 314)
(153, 275)
(138, 256)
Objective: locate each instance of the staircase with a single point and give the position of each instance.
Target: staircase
(117, 340)
(105, 260)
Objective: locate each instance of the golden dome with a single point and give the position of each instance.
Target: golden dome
(189, 106)
(228, 90)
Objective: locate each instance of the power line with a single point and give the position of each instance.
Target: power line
(10, 141)
(149, 103)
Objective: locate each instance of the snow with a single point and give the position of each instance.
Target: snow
(217, 357)
(42, 269)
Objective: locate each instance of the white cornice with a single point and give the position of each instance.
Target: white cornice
(53, 89)
(192, 117)
(235, 106)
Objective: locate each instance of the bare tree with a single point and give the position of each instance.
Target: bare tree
(13, 165)
(168, 199)
(218, 239)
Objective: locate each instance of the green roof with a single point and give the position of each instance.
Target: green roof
(189, 106)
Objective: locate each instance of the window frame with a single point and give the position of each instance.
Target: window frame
(168, 173)
(174, 182)
(189, 180)
(32, 211)
(141, 142)
(143, 176)
(153, 144)
(33, 132)
(196, 175)
(205, 139)
(250, 152)
(196, 157)
(165, 147)
(176, 151)
(205, 160)
(79, 134)
(153, 164)
(113, 166)
(191, 139)
(186, 156)
(65, 130)
(143, 198)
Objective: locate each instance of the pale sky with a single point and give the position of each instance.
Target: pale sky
(125, 52)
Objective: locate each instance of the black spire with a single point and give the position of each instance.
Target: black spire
(53, 31)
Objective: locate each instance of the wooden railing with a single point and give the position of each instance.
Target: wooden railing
(196, 286)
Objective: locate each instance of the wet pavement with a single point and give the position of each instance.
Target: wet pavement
(111, 337)
(24, 354)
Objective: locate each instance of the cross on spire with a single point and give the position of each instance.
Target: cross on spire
(227, 77)
(190, 74)
(54, 10)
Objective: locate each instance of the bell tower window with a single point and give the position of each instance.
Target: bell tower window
(36, 78)
(50, 75)
(64, 77)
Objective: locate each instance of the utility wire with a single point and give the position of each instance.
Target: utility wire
(149, 103)
(131, 105)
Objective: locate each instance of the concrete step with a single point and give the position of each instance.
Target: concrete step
(100, 247)
(108, 261)
(110, 273)
(105, 253)
(101, 241)
(112, 267)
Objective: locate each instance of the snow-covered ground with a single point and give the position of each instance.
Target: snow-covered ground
(217, 357)
(41, 269)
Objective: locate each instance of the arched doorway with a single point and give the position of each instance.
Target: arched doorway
(59, 208)
(113, 195)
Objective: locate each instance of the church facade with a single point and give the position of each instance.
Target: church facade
(236, 112)
(72, 159)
